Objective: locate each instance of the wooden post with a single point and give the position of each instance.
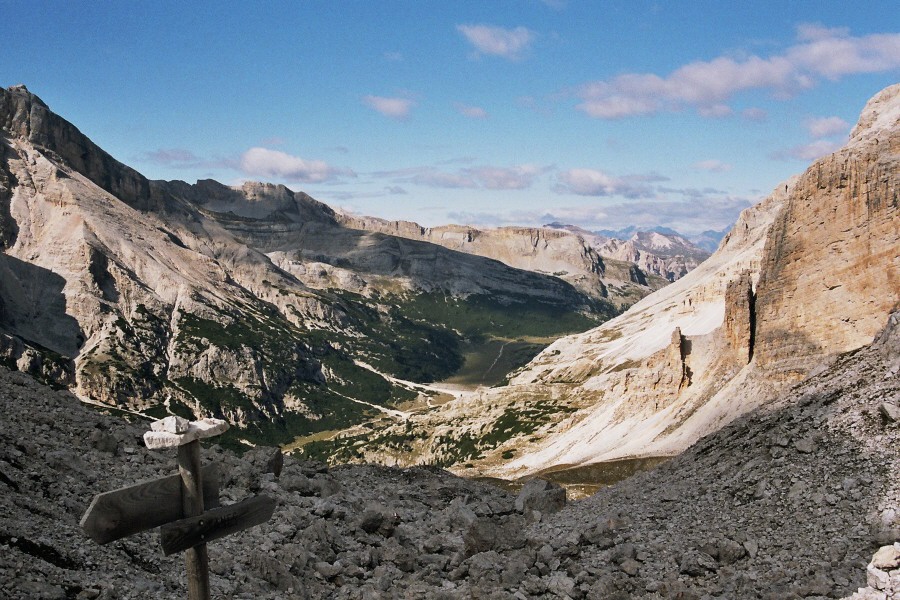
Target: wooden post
(196, 559)
(114, 515)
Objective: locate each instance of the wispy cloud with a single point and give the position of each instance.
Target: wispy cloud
(708, 85)
(174, 157)
(590, 182)
(497, 41)
(715, 111)
(827, 127)
(755, 114)
(809, 152)
(395, 108)
(441, 179)
(713, 165)
(473, 112)
(518, 177)
(263, 162)
(506, 178)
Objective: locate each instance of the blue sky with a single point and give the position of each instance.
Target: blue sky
(600, 114)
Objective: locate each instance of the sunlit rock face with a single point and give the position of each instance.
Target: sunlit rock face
(832, 267)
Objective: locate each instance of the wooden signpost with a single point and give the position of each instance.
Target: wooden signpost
(184, 506)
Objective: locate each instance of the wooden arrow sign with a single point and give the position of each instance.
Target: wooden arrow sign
(129, 510)
(216, 523)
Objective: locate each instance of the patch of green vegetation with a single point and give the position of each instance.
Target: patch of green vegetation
(327, 411)
(523, 421)
(424, 337)
(217, 399)
(489, 361)
(513, 422)
(157, 412)
(516, 317)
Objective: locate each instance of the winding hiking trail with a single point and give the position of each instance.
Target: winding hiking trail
(496, 360)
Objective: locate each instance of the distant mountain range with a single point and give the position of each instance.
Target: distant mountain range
(706, 240)
(660, 251)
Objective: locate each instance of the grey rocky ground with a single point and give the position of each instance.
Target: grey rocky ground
(788, 502)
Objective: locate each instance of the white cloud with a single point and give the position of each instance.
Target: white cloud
(263, 162)
(809, 152)
(518, 177)
(811, 32)
(473, 112)
(589, 182)
(442, 179)
(505, 178)
(715, 111)
(497, 41)
(709, 85)
(713, 165)
(395, 108)
(827, 126)
(173, 157)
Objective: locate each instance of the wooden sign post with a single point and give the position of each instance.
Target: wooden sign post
(184, 506)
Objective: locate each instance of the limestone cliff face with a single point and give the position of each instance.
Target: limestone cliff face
(831, 269)
(97, 289)
(619, 277)
(667, 256)
(740, 317)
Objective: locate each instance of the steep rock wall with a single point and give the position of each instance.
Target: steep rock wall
(831, 269)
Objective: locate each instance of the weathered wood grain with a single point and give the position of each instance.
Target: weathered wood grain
(196, 557)
(216, 523)
(129, 510)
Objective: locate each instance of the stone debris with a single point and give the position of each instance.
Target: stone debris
(891, 412)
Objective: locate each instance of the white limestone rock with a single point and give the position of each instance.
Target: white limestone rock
(171, 424)
(197, 430)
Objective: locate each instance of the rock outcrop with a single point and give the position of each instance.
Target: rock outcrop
(665, 255)
(831, 269)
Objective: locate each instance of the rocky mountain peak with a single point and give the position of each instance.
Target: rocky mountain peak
(881, 113)
(26, 117)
